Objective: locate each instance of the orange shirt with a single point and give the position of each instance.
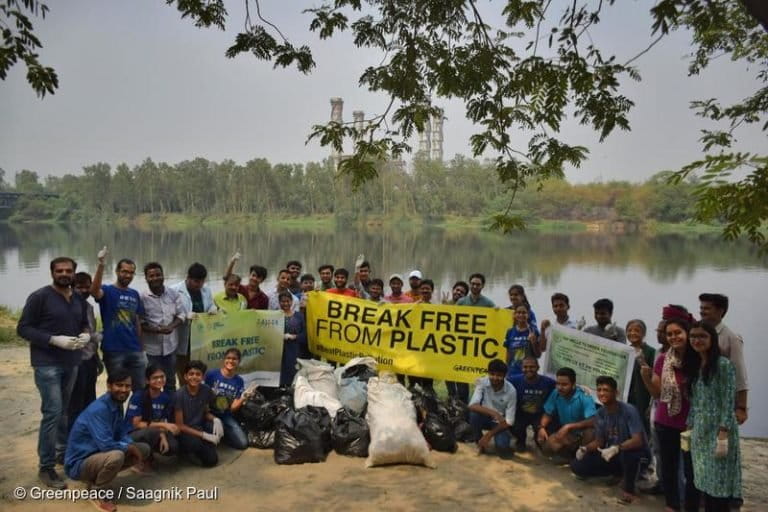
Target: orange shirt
(348, 292)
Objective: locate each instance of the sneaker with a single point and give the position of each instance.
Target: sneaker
(51, 478)
(104, 505)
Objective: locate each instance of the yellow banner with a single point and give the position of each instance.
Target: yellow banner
(424, 340)
(257, 334)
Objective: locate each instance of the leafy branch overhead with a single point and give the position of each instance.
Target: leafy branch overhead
(520, 78)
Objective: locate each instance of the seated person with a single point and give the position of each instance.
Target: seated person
(228, 387)
(604, 328)
(150, 414)
(620, 444)
(532, 390)
(200, 431)
(99, 446)
(568, 418)
(231, 299)
(492, 408)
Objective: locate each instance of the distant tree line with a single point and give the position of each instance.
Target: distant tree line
(426, 189)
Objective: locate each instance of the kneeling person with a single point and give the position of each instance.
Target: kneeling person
(194, 419)
(620, 445)
(150, 414)
(568, 418)
(99, 446)
(228, 387)
(492, 408)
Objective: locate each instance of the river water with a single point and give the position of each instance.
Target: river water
(640, 274)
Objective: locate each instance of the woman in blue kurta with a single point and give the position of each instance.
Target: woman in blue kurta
(295, 335)
(715, 436)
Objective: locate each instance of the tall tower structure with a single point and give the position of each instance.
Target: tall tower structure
(425, 141)
(437, 136)
(358, 121)
(337, 116)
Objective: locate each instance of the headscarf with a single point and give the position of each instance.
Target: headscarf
(674, 312)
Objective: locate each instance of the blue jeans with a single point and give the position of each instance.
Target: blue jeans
(168, 365)
(234, 435)
(135, 363)
(480, 422)
(55, 385)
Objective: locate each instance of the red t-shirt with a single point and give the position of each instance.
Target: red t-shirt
(348, 292)
(257, 301)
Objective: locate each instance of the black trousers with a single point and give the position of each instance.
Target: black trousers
(203, 450)
(624, 464)
(669, 448)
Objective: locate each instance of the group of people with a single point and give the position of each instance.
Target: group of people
(697, 383)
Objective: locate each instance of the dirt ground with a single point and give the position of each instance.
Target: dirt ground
(251, 480)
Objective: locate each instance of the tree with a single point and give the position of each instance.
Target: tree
(524, 76)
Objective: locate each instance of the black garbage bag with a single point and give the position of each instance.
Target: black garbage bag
(261, 417)
(462, 431)
(439, 433)
(271, 393)
(360, 371)
(303, 435)
(425, 403)
(350, 434)
(262, 440)
(456, 408)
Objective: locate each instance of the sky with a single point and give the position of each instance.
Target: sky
(136, 81)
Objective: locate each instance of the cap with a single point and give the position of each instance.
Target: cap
(415, 273)
(395, 276)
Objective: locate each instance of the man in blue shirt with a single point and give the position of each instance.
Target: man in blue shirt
(492, 408)
(568, 418)
(532, 390)
(120, 311)
(54, 322)
(99, 445)
(620, 445)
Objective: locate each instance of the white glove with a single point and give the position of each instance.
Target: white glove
(250, 390)
(235, 257)
(218, 429)
(581, 323)
(66, 342)
(608, 453)
(84, 337)
(289, 337)
(721, 448)
(102, 254)
(581, 452)
(191, 315)
(211, 438)
(359, 261)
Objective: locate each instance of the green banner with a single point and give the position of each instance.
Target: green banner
(257, 334)
(590, 356)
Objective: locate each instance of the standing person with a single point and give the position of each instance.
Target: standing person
(362, 279)
(200, 431)
(164, 312)
(294, 339)
(561, 304)
(326, 277)
(414, 280)
(475, 297)
(294, 268)
(121, 309)
(230, 299)
(307, 284)
(426, 290)
(668, 382)
(283, 285)
(521, 341)
(99, 445)
(376, 291)
(396, 287)
(715, 431)
(340, 277)
(713, 307)
(84, 391)
(228, 388)
(604, 328)
(197, 299)
(492, 408)
(644, 353)
(55, 324)
(460, 289)
(517, 298)
(620, 446)
(150, 414)
(532, 390)
(256, 298)
(568, 419)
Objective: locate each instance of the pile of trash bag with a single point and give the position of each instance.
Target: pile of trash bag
(260, 415)
(303, 435)
(352, 380)
(350, 434)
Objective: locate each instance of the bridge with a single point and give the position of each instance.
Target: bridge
(9, 199)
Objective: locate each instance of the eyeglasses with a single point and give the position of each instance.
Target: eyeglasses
(699, 336)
